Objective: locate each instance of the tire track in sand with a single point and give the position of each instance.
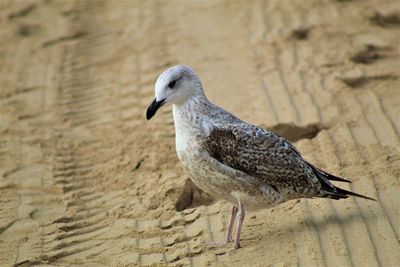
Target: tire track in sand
(329, 245)
(113, 180)
(85, 103)
(30, 201)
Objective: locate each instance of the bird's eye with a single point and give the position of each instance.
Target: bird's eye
(172, 84)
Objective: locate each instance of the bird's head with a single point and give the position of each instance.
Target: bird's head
(175, 85)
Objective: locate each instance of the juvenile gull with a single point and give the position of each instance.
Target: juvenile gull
(230, 159)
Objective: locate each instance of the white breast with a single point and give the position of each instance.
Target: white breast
(190, 130)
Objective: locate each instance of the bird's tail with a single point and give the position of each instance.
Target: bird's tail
(331, 191)
(339, 193)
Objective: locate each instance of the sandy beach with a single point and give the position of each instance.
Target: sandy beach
(85, 180)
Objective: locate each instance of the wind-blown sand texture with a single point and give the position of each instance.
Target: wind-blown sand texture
(86, 180)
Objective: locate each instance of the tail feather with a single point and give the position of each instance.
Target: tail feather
(349, 193)
(331, 191)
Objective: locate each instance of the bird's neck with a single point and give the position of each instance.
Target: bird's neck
(189, 111)
(189, 118)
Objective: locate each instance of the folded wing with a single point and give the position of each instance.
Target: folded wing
(271, 159)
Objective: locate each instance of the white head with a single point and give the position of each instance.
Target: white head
(175, 85)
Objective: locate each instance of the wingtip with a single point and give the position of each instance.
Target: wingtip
(328, 176)
(338, 179)
(370, 198)
(349, 193)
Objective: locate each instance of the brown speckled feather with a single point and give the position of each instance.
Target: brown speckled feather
(271, 159)
(262, 154)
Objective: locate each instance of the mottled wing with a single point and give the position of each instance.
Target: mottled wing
(261, 154)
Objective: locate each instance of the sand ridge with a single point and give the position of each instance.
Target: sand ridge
(85, 180)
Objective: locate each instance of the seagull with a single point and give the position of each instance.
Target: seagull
(248, 166)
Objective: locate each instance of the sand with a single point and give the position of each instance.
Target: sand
(86, 180)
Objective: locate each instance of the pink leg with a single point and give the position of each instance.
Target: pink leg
(234, 211)
(236, 244)
(228, 237)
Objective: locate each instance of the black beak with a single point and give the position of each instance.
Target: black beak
(154, 106)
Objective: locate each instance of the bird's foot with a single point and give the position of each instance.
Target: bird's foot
(236, 245)
(216, 244)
